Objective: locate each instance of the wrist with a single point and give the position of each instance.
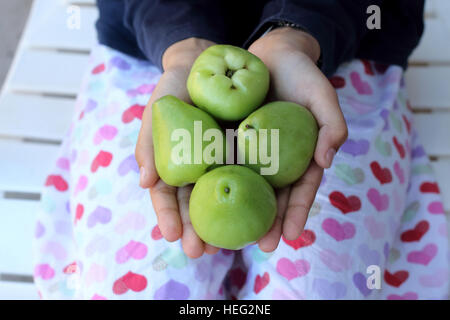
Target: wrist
(183, 53)
(287, 39)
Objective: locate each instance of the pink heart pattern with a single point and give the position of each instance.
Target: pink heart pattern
(423, 256)
(337, 230)
(97, 236)
(379, 201)
(292, 269)
(133, 249)
(361, 86)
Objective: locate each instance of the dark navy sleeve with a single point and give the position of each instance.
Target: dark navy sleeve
(338, 25)
(157, 24)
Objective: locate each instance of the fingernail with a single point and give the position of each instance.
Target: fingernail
(142, 176)
(330, 156)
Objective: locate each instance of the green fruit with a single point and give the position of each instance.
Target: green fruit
(178, 145)
(228, 82)
(231, 207)
(297, 130)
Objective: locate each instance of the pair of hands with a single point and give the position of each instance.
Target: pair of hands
(290, 56)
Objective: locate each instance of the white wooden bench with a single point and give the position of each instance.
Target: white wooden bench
(37, 100)
(36, 106)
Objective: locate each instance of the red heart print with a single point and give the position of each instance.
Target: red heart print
(58, 182)
(343, 203)
(135, 111)
(71, 268)
(103, 159)
(261, 282)
(99, 69)
(367, 67)
(79, 213)
(130, 281)
(382, 174)
(400, 148)
(429, 187)
(396, 279)
(306, 239)
(407, 123)
(337, 82)
(156, 233)
(417, 233)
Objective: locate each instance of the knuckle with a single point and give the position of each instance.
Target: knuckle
(344, 134)
(165, 211)
(163, 189)
(298, 208)
(183, 198)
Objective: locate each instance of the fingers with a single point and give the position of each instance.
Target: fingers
(333, 131)
(209, 249)
(296, 78)
(164, 200)
(193, 246)
(301, 199)
(270, 241)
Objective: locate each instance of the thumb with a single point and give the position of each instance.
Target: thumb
(144, 152)
(332, 127)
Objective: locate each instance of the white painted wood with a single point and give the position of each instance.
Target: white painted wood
(48, 72)
(18, 291)
(429, 8)
(429, 86)
(437, 9)
(435, 43)
(84, 2)
(35, 116)
(25, 166)
(442, 8)
(16, 234)
(442, 171)
(62, 26)
(434, 132)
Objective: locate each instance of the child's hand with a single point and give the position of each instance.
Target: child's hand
(170, 203)
(291, 57)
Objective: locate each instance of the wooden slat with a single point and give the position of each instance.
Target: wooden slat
(434, 132)
(49, 27)
(16, 235)
(429, 87)
(84, 2)
(435, 43)
(24, 166)
(35, 116)
(49, 72)
(442, 171)
(18, 291)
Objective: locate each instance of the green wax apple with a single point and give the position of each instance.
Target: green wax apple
(290, 153)
(187, 141)
(228, 82)
(231, 207)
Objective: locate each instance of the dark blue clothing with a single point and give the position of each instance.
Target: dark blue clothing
(146, 28)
